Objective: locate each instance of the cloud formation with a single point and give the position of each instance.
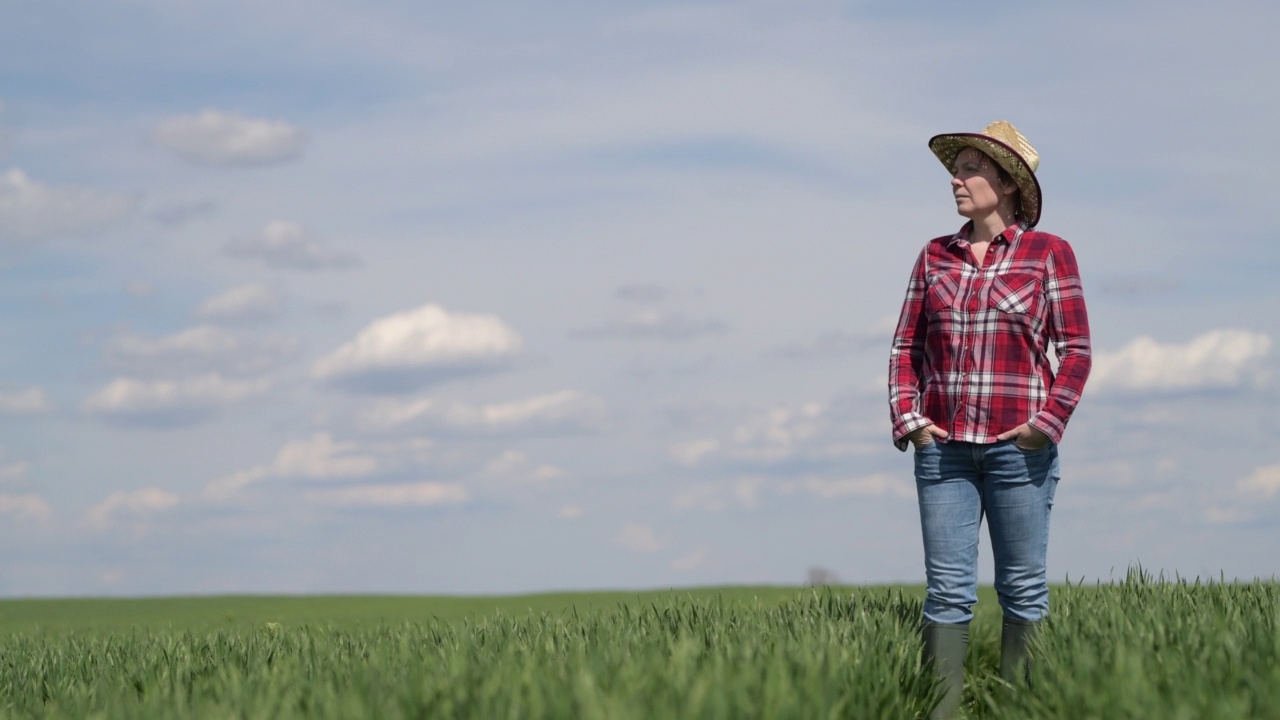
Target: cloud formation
(212, 137)
(169, 402)
(286, 245)
(200, 349)
(784, 436)
(419, 347)
(31, 210)
(14, 471)
(638, 538)
(514, 469)
(250, 303)
(320, 458)
(421, 494)
(1219, 359)
(1264, 482)
(129, 502)
(31, 401)
(25, 507)
(316, 458)
(567, 411)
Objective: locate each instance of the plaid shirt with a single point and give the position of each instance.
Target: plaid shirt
(970, 354)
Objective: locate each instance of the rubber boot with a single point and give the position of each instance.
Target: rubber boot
(945, 647)
(1015, 637)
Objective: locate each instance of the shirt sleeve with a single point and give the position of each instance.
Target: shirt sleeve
(906, 358)
(1068, 328)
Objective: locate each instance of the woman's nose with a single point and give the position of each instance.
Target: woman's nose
(956, 182)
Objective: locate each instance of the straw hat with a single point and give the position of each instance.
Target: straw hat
(1011, 151)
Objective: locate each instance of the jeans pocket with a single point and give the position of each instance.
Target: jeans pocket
(928, 462)
(1033, 451)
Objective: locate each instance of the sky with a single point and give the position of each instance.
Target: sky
(377, 296)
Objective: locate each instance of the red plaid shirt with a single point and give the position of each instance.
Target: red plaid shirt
(970, 354)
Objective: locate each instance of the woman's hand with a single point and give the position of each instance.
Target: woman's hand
(922, 437)
(1025, 437)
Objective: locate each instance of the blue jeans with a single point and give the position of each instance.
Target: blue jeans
(959, 482)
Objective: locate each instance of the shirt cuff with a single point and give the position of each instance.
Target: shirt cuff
(1048, 425)
(906, 424)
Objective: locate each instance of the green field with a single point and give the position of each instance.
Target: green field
(1135, 649)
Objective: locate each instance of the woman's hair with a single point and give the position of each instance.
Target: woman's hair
(1007, 179)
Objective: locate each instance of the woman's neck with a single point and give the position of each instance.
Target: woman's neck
(987, 227)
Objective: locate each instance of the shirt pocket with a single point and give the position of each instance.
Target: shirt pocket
(1015, 294)
(941, 294)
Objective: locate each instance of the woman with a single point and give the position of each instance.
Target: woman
(972, 390)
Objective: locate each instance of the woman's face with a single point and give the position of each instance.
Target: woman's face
(976, 184)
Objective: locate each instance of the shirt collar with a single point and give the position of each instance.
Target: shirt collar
(1010, 234)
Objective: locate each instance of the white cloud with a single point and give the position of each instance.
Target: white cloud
(417, 347)
(423, 494)
(649, 324)
(30, 210)
(243, 303)
(218, 138)
(1264, 481)
(284, 244)
(31, 401)
(27, 507)
(691, 452)
(777, 433)
(1218, 359)
(515, 467)
(783, 436)
(321, 458)
(571, 512)
(690, 562)
(316, 458)
(14, 471)
(174, 402)
(511, 478)
(129, 502)
(204, 348)
(638, 538)
(567, 411)
(228, 487)
(204, 340)
(1217, 515)
(809, 431)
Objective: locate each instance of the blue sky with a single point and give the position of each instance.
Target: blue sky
(339, 296)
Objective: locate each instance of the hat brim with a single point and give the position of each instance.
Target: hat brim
(948, 146)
